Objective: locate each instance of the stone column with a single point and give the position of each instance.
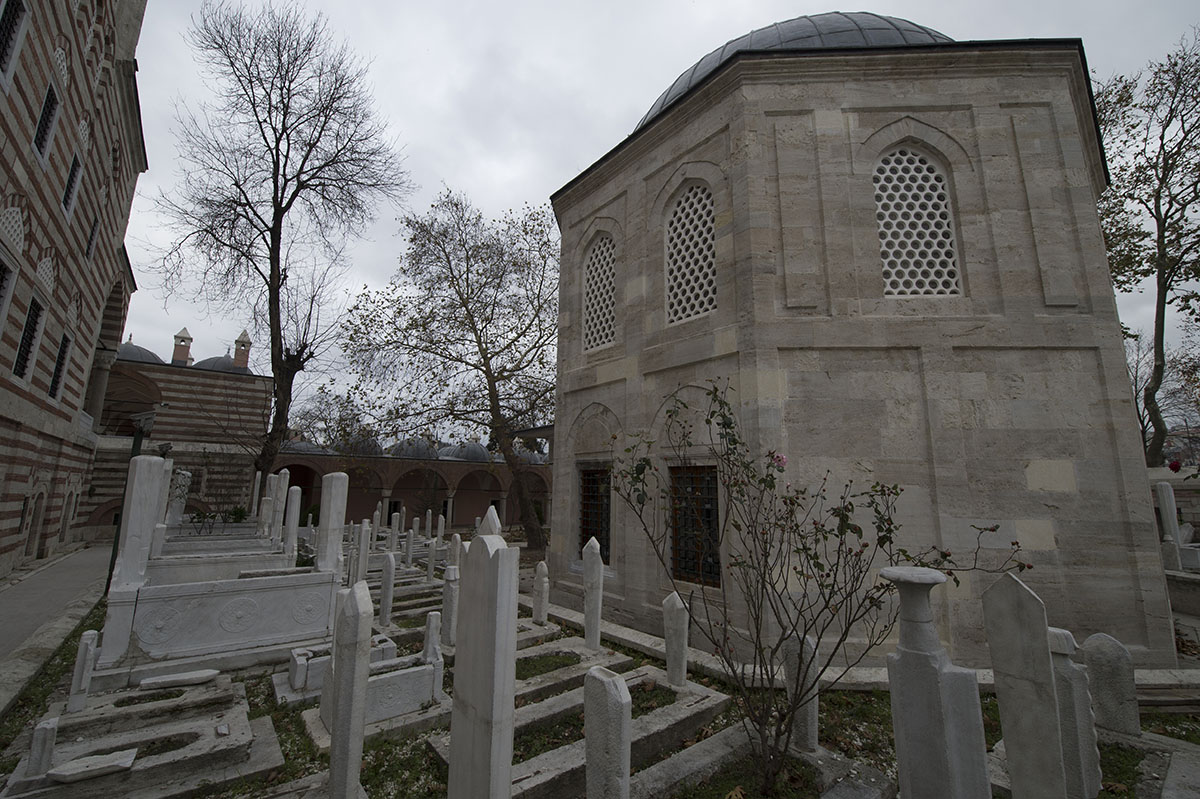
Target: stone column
(81, 680)
(455, 553)
(430, 556)
(394, 532)
(333, 515)
(675, 635)
(541, 590)
(431, 653)
(348, 685)
(441, 530)
(936, 718)
(403, 516)
(481, 722)
(291, 524)
(1169, 525)
(1081, 758)
(593, 593)
(41, 750)
(181, 482)
(102, 362)
(608, 716)
(365, 534)
(164, 494)
(377, 517)
(450, 508)
(429, 523)
(387, 590)
(450, 587)
(1018, 639)
(408, 543)
(1111, 681)
(139, 515)
(266, 512)
(282, 483)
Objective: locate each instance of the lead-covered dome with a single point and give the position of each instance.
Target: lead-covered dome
(817, 32)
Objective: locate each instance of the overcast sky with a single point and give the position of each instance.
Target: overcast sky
(507, 101)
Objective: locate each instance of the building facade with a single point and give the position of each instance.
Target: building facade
(72, 154)
(887, 243)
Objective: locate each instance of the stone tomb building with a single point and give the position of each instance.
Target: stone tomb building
(887, 242)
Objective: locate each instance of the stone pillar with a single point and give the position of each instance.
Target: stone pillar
(1081, 758)
(387, 590)
(801, 671)
(1111, 681)
(481, 722)
(333, 517)
(1018, 639)
(608, 716)
(490, 525)
(266, 512)
(441, 530)
(282, 482)
(450, 587)
(102, 362)
(81, 680)
(430, 556)
(347, 685)
(403, 516)
(455, 553)
(254, 494)
(139, 515)
(1169, 525)
(408, 544)
(164, 492)
(450, 508)
(675, 636)
(429, 523)
(593, 593)
(936, 718)
(365, 534)
(377, 518)
(394, 532)
(291, 524)
(181, 482)
(541, 591)
(478, 521)
(41, 750)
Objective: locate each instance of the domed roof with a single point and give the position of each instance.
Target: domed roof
(421, 448)
(132, 352)
(816, 32)
(221, 363)
(466, 451)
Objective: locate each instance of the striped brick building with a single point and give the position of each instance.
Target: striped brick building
(213, 413)
(72, 152)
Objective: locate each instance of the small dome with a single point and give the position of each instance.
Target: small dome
(221, 363)
(467, 451)
(816, 32)
(363, 445)
(132, 352)
(421, 448)
(306, 447)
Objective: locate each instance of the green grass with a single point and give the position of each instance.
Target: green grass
(1119, 764)
(529, 667)
(403, 767)
(859, 724)
(1184, 726)
(739, 780)
(55, 674)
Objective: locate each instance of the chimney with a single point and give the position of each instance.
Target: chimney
(182, 356)
(241, 355)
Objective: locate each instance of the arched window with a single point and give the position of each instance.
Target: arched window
(691, 255)
(916, 229)
(599, 319)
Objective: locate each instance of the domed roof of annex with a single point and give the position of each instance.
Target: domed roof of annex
(221, 363)
(466, 451)
(816, 32)
(132, 352)
(421, 448)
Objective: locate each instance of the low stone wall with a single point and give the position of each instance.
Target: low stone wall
(1184, 589)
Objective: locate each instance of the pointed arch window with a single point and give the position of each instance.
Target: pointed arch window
(599, 306)
(691, 255)
(916, 225)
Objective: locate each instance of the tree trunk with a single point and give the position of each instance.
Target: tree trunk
(1154, 456)
(284, 379)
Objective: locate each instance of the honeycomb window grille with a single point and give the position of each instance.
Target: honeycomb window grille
(11, 17)
(916, 228)
(599, 315)
(691, 256)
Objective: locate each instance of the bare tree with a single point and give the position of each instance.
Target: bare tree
(287, 161)
(464, 334)
(1151, 212)
(1177, 394)
(778, 563)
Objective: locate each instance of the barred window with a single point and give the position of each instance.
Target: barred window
(594, 498)
(916, 229)
(68, 198)
(599, 319)
(695, 535)
(691, 256)
(93, 234)
(60, 366)
(46, 120)
(33, 324)
(10, 27)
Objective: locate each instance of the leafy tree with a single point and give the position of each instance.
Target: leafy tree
(276, 172)
(793, 562)
(464, 333)
(1151, 213)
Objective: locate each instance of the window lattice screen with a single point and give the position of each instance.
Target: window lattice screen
(599, 317)
(12, 228)
(916, 231)
(60, 61)
(691, 256)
